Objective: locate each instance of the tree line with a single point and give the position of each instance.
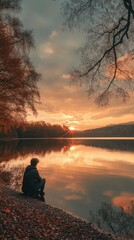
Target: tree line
(34, 130)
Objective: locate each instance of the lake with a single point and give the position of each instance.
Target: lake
(80, 173)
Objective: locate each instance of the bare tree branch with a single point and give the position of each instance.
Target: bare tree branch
(112, 21)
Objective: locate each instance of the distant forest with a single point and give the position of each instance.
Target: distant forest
(47, 130)
(35, 130)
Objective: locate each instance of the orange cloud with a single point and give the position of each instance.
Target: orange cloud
(125, 69)
(53, 34)
(46, 48)
(66, 76)
(53, 57)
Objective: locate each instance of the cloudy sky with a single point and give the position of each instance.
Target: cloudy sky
(53, 57)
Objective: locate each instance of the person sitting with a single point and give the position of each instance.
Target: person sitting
(33, 185)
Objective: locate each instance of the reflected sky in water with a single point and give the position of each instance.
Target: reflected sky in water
(79, 177)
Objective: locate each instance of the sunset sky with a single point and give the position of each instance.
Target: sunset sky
(53, 57)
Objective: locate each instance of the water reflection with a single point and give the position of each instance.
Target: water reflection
(80, 174)
(15, 148)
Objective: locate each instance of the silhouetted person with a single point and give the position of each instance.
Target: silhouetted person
(33, 184)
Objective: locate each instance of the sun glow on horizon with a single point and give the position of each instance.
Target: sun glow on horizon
(71, 128)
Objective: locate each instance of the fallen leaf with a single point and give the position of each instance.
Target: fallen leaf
(7, 210)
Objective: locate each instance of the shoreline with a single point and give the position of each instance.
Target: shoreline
(68, 138)
(25, 218)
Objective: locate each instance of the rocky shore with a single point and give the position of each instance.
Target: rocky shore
(23, 218)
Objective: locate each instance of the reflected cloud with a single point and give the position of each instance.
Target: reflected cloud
(78, 177)
(94, 160)
(72, 197)
(124, 201)
(75, 187)
(109, 193)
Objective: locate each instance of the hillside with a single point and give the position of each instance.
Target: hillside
(121, 130)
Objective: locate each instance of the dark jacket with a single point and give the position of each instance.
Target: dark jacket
(30, 180)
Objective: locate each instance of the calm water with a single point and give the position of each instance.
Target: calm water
(80, 173)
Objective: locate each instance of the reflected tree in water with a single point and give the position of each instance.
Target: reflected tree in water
(118, 221)
(22, 148)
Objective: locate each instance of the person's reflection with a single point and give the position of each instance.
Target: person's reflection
(33, 185)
